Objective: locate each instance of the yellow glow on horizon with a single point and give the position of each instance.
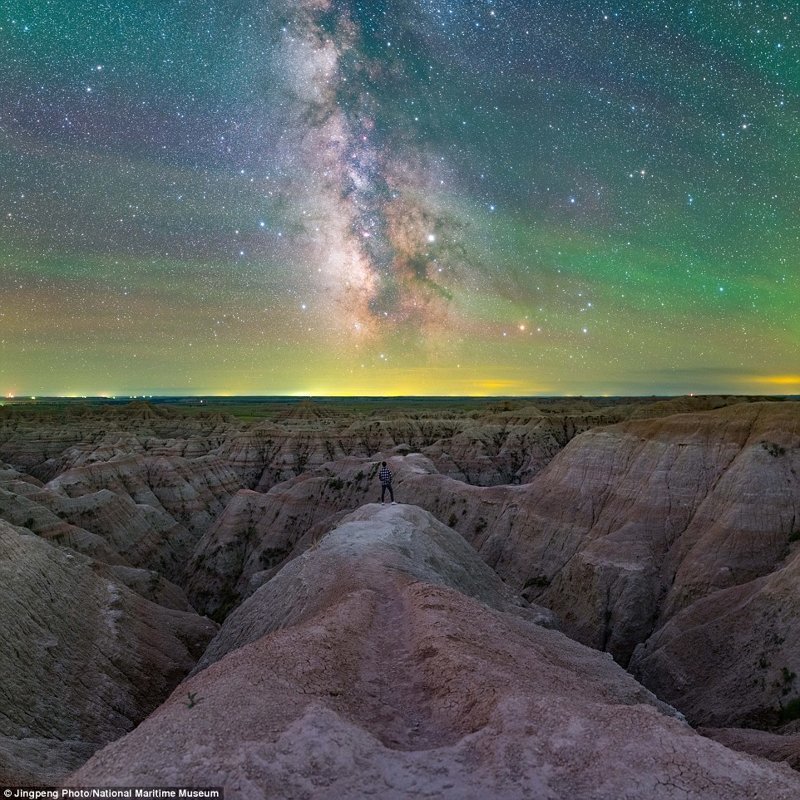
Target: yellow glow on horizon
(417, 383)
(779, 380)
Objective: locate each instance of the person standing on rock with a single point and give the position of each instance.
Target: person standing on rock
(385, 476)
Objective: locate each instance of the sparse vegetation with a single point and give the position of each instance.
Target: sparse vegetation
(228, 600)
(790, 711)
(775, 450)
(788, 679)
(274, 555)
(234, 551)
(153, 582)
(537, 582)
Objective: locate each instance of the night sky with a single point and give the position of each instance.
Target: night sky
(408, 197)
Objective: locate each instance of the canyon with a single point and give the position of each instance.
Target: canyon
(572, 597)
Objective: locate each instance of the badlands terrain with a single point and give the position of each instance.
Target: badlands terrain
(572, 598)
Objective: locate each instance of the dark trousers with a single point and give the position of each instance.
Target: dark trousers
(384, 487)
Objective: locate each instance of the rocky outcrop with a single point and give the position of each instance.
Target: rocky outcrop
(626, 527)
(104, 524)
(391, 680)
(675, 536)
(481, 442)
(399, 539)
(22, 511)
(47, 440)
(83, 659)
(192, 492)
(257, 532)
(742, 642)
(633, 522)
(759, 743)
(669, 541)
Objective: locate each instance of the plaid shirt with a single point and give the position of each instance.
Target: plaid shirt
(385, 476)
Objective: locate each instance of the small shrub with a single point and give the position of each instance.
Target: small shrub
(192, 700)
(337, 484)
(228, 600)
(272, 556)
(537, 582)
(790, 711)
(794, 536)
(453, 520)
(775, 450)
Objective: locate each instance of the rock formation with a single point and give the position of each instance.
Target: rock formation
(374, 539)
(663, 531)
(367, 684)
(628, 525)
(83, 659)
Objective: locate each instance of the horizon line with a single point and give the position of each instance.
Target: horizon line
(298, 396)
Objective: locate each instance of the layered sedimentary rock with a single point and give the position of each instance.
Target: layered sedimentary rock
(759, 743)
(83, 659)
(669, 541)
(258, 531)
(739, 643)
(138, 511)
(401, 539)
(39, 518)
(481, 443)
(391, 680)
(628, 525)
(633, 522)
(675, 535)
(46, 441)
(189, 492)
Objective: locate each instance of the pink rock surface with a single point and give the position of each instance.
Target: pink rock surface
(759, 743)
(665, 539)
(400, 539)
(399, 687)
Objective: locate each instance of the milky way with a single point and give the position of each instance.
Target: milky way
(332, 196)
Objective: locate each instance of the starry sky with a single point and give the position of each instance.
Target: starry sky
(455, 197)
